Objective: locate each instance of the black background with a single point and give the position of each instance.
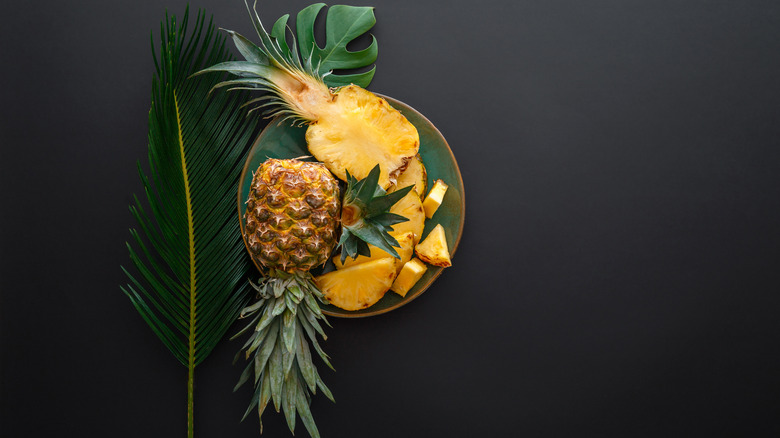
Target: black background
(618, 274)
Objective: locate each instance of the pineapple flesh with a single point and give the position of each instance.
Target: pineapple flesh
(433, 250)
(411, 208)
(292, 215)
(415, 174)
(359, 286)
(358, 130)
(434, 198)
(350, 129)
(410, 274)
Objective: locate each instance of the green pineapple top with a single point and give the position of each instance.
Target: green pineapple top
(365, 216)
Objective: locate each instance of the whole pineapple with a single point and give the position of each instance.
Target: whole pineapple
(290, 226)
(292, 215)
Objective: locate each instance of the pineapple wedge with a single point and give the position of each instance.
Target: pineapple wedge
(433, 249)
(410, 274)
(406, 251)
(434, 198)
(414, 174)
(411, 208)
(358, 286)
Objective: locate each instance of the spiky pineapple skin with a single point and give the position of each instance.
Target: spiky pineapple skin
(292, 215)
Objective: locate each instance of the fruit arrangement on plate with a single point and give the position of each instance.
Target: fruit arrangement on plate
(350, 203)
(291, 218)
(443, 201)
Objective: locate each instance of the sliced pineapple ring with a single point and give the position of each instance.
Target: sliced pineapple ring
(406, 251)
(434, 198)
(409, 207)
(410, 274)
(433, 249)
(358, 286)
(414, 174)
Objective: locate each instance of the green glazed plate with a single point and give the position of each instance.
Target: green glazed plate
(285, 141)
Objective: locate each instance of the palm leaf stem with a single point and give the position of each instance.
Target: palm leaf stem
(191, 263)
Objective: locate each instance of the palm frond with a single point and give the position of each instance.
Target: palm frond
(189, 256)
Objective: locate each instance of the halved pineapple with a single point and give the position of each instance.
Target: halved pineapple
(434, 198)
(433, 249)
(410, 207)
(414, 174)
(410, 274)
(357, 131)
(358, 286)
(406, 251)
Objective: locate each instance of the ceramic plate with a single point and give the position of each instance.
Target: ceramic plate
(284, 141)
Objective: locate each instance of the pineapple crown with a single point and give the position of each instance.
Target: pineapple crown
(273, 67)
(293, 81)
(365, 218)
(284, 323)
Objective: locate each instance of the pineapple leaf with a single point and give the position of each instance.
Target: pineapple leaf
(261, 358)
(279, 33)
(289, 397)
(305, 413)
(303, 357)
(371, 235)
(277, 375)
(238, 68)
(366, 188)
(389, 219)
(189, 255)
(253, 403)
(383, 203)
(343, 24)
(248, 50)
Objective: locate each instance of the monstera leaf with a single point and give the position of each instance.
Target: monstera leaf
(343, 24)
(192, 268)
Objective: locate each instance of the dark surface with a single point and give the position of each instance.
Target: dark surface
(618, 275)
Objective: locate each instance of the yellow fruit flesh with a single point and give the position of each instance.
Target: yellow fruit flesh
(359, 286)
(406, 241)
(414, 174)
(410, 274)
(358, 130)
(433, 249)
(409, 207)
(434, 198)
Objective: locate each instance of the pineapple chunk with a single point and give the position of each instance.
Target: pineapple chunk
(414, 174)
(406, 251)
(409, 207)
(434, 198)
(410, 274)
(358, 286)
(433, 249)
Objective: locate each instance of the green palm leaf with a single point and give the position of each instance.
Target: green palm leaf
(190, 259)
